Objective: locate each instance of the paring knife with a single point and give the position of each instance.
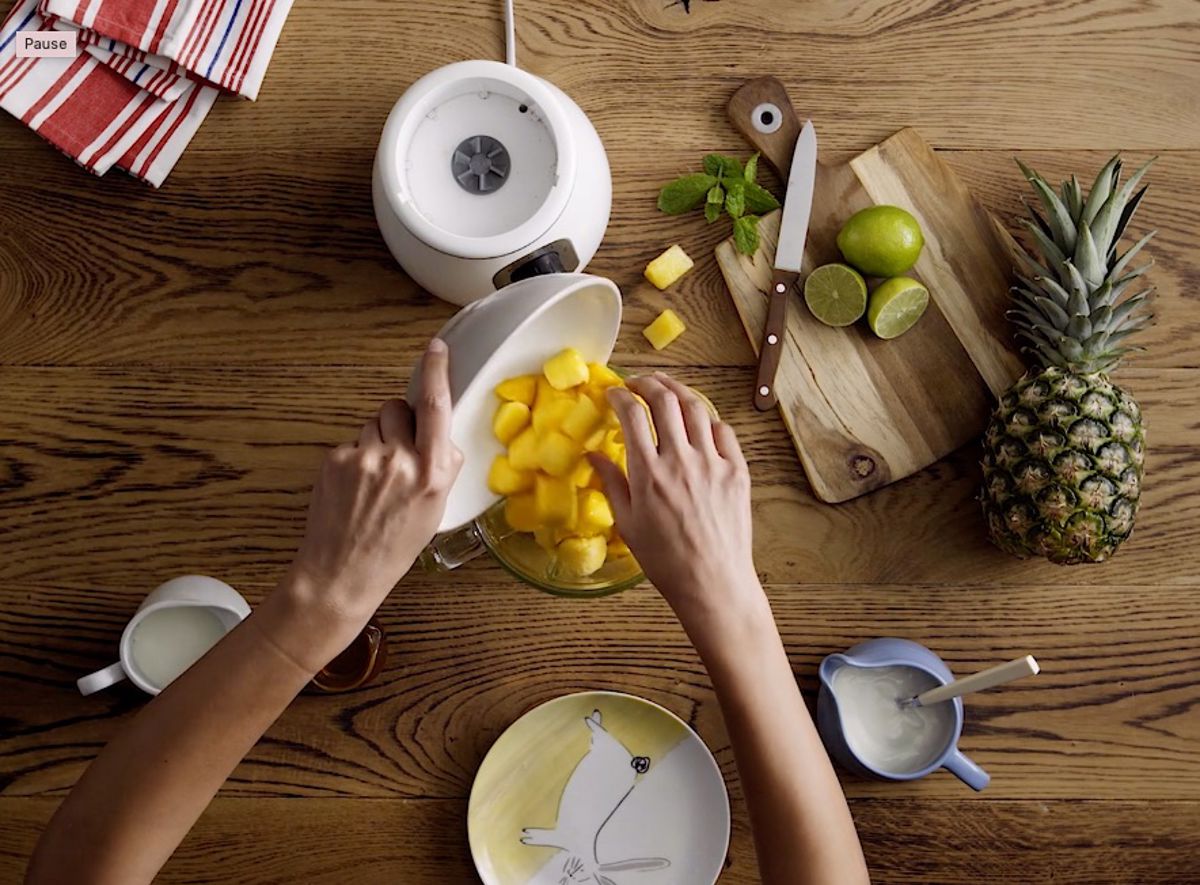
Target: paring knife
(762, 112)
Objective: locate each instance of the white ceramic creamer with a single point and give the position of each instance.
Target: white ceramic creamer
(864, 726)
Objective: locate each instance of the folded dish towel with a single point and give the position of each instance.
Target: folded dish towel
(146, 76)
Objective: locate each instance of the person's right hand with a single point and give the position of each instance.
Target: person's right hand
(684, 510)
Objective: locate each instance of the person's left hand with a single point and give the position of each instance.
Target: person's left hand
(377, 502)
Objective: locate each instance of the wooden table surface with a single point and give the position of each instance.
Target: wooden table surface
(173, 364)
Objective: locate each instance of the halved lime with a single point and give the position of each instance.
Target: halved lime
(836, 294)
(896, 305)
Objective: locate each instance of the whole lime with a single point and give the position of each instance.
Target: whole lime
(882, 241)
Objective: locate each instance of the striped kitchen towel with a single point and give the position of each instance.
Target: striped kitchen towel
(228, 43)
(90, 112)
(147, 74)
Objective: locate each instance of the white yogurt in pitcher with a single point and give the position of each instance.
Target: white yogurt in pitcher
(884, 735)
(168, 641)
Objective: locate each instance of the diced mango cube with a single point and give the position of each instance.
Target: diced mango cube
(544, 536)
(668, 267)
(550, 416)
(581, 420)
(511, 418)
(547, 394)
(521, 389)
(557, 453)
(582, 474)
(617, 548)
(595, 513)
(504, 479)
(665, 329)
(522, 451)
(595, 440)
(566, 370)
(582, 556)
(520, 511)
(601, 376)
(557, 504)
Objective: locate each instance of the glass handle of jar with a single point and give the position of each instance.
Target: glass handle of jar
(449, 550)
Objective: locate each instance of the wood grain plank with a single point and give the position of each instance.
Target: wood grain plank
(259, 257)
(110, 473)
(270, 842)
(862, 69)
(1111, 716)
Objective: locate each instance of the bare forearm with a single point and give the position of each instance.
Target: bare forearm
(802, 826)
(142, 794)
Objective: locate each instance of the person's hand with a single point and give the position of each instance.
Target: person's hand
(684, 510)
(376, 503)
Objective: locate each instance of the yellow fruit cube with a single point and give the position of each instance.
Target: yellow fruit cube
(557, 505)
(582, 419)
(520, 512)
(550, 415)
(668, 267)
(522, 451)
(566, 370)
(557, 453)
(582, 474)
(595, 440)
(511, 418)
(595, 513)
(582, 556)
(618, 548)
(545, 393)
(544, 536)
(504, 479)
(600, 377)
(665, 329)
(518, 390)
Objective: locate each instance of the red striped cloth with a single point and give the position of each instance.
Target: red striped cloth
(146, 77)
(228, 43)
(91, 113)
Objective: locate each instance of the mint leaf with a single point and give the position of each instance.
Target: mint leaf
(714, 202)
(722, 166)
(751, 171)
(685, 194)
(712, 211)
(759, 199)
(745, 234)
(735, 198)
(716, 194)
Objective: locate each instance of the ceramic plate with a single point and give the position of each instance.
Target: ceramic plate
(599, 788)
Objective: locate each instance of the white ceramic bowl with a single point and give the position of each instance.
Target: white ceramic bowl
(513, 332)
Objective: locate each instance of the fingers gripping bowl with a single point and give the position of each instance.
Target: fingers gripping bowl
(511, 333)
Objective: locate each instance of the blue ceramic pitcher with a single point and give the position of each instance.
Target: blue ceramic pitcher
(888, 652)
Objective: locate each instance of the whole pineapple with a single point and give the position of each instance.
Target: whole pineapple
(1065, 447)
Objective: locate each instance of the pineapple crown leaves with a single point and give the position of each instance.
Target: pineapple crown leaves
(1074, 307)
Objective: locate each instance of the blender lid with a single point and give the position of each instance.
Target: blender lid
(514, 332)
(482, 159)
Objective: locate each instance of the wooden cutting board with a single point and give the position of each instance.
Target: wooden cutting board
(864, 412)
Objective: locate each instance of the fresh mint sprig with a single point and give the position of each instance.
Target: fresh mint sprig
(725, 184)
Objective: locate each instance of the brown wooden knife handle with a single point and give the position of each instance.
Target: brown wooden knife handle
(752, 110)
(774, 333)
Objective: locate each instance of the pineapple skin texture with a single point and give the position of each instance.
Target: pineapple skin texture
(1063, 460)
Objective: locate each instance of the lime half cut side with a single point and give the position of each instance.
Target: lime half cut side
(836, 294)
(896, 305)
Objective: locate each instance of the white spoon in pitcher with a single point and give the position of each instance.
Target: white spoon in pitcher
(988, 678)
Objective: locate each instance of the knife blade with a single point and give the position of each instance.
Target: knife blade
(789, 254)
